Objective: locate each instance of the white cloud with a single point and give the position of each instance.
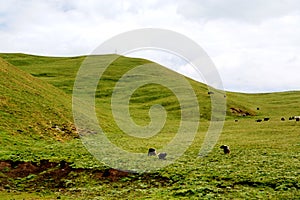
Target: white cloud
(253, 11)
(254, 44)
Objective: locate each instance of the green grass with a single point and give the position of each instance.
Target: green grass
(263, 164)
(31, 106)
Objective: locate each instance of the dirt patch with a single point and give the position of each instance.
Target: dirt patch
(114, 174)
(22, 170)
(241, 112)
(46, 169)
(36, 176)
(63, 131)
(4, 165)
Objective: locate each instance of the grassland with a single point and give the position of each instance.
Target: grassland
(36, 124)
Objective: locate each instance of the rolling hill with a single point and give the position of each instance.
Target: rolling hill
(37, 91)
(37, 131)
(61, 73)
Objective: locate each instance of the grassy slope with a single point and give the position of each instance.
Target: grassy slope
(264, 160)
(276, 105)
(61, 72)
(35, 118)
(29, 105)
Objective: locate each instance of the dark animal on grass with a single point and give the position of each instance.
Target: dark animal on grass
(151, 152)
(225, 149)
(266, 119)
(258, 120)
(162, 155)
(282, 119)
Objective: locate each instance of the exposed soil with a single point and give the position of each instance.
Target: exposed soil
(61, 176)
(241, 112)
(51, 174)
(21, 169)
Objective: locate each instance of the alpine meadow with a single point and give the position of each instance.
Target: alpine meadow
(43, 157)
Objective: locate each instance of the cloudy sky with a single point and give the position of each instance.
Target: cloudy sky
(255, 44)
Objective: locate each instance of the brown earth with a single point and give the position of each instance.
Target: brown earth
(61, 176)
(241, 112)
(21, 169)
(52, 174)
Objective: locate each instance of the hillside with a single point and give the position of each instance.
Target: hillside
(61, 72)
(31, 106)
(274, 105)
(42, 158)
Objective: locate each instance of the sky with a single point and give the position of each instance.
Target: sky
(255, 45)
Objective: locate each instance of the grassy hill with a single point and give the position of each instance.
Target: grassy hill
(31, 106)
(61, 72)
(274, 105)
(36, 125)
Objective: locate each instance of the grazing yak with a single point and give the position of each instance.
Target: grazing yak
(266, 118)
(297, 118)
(225, 149)
(151, 152)
(291, 118)
(162, 155)
(258, 120)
